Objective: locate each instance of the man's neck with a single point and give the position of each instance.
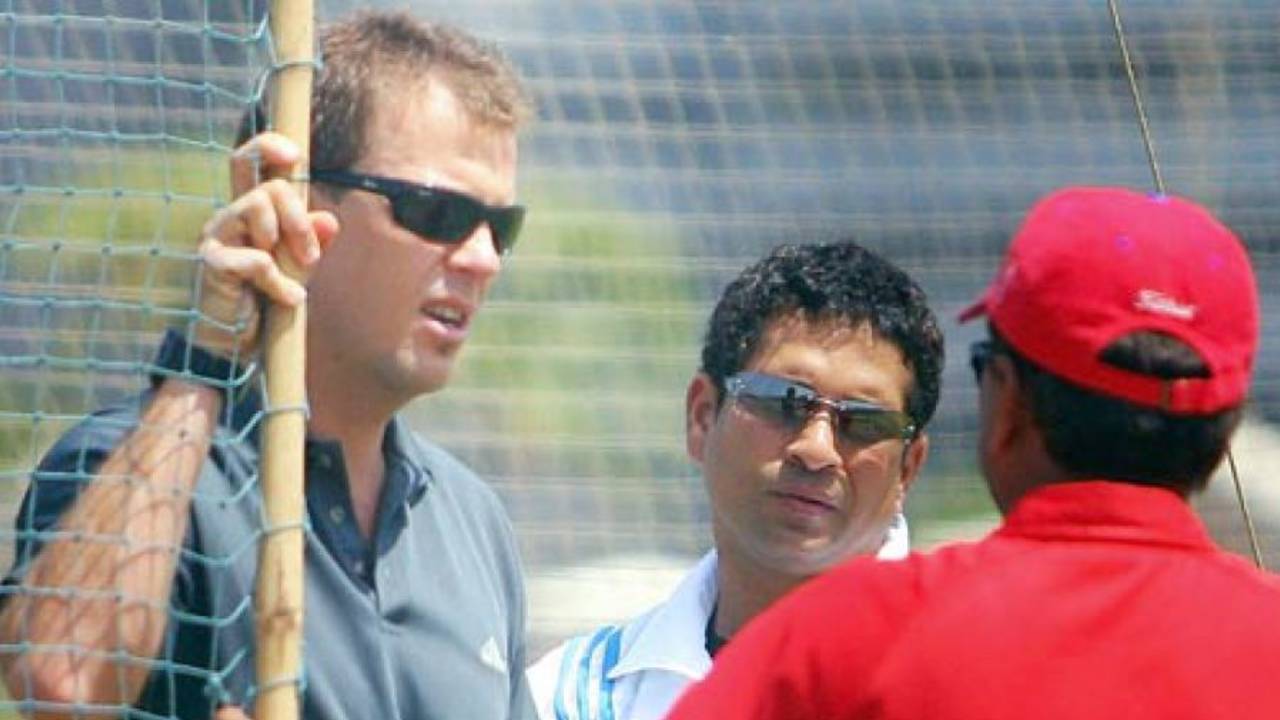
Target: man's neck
(365, 467)
(745, 592)
(359, 424)
(366, 470)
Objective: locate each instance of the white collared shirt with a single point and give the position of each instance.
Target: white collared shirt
(638, 670)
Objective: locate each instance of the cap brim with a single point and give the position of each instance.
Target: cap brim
(977, 309)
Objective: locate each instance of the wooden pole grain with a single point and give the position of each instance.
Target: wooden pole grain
(278, 595)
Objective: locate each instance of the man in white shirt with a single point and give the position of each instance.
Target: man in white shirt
(820, 369)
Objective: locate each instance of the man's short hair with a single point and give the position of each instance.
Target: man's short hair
(1090, 435)
(839, 282)
(368, 58)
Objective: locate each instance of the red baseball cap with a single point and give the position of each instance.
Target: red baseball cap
(1091, 264)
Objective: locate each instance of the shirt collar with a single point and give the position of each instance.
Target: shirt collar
(407, 473)
(671, 635)
(402, 449)
(897, 540)
(405, 456)
(1107, 510)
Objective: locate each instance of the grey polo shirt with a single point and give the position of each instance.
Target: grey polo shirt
(426, 620)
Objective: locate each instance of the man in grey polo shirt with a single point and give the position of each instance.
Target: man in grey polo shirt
(414, 599)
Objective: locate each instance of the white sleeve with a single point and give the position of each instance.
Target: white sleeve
(572, 682)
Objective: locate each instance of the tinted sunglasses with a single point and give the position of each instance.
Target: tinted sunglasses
(790, 404)
(980, 354)
(437, 214)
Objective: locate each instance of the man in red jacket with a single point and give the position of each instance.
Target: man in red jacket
(1122, 332)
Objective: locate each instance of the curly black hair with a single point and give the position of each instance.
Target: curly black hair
(836, 281)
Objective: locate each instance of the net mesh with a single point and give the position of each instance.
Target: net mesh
(675, 143)
(115, 124)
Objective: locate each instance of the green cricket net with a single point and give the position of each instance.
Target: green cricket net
(116, 119)
(676, 142)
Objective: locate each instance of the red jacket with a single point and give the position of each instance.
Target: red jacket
(1092, 600)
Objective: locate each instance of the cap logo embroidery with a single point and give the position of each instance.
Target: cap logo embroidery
(1156, 302)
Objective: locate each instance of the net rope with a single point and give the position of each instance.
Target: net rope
(676, 141)
(117, 121)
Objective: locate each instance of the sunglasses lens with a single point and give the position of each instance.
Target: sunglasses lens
(772, 398)
(435, 216)
(863, 427)
(786, 403)
(796, 405)
(780, 410)
(979, 355)
(449, 218)
(505, 224)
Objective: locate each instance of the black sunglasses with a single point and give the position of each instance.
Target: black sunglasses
(437, 214)
(980, 354)
(790, 404)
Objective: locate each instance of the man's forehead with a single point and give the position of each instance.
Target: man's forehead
(426, 136)
(824, 330)
(401, 106)
(830, 335)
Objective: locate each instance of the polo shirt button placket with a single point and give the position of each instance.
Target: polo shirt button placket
(377, 579)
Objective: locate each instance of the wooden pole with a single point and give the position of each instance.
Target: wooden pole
(278, 601)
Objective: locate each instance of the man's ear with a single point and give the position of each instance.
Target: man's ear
(1011, 417)
(701, 404)
(913, 457)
